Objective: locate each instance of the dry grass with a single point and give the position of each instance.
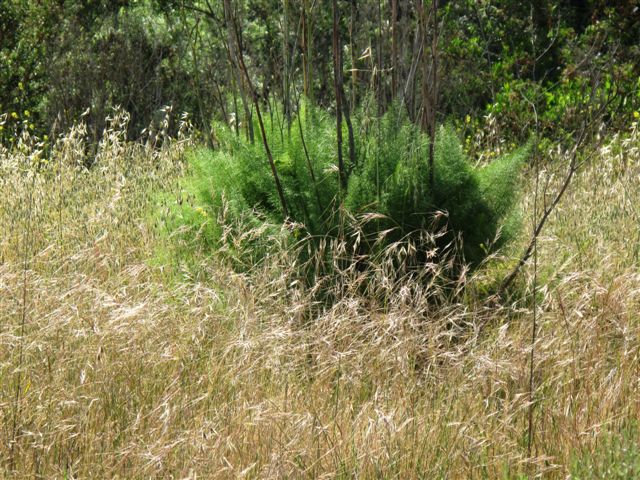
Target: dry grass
(131, 370)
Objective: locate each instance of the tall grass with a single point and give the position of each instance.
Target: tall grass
(132, 370)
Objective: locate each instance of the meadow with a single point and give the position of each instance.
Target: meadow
(119, 362)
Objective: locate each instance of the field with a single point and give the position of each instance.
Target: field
(118, 363)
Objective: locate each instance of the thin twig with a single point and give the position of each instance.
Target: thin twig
(23, 322)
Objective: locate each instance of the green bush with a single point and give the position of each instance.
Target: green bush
(394, 181)
(232, 189)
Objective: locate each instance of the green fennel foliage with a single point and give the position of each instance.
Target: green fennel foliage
(232, 188)
(393, 180)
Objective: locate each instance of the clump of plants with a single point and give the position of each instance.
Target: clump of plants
(389, 197)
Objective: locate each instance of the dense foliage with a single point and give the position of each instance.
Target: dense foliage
(233, 186)
(501, 58)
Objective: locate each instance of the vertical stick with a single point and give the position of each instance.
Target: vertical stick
(534, 325)
(17, 412)
(352, 48)
(434, 93)
(429, 81)
(534, 322)
(381, 95)
(308, 158)
(285, 57)
(394, 48)
(307, 43)
(193, 39)
(234, 54)
(303, 48)
(337, 82)
(236, 38)
(347, 119)
(424, 63)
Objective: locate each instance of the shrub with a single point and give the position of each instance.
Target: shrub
(393, 181)
(233, 187)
